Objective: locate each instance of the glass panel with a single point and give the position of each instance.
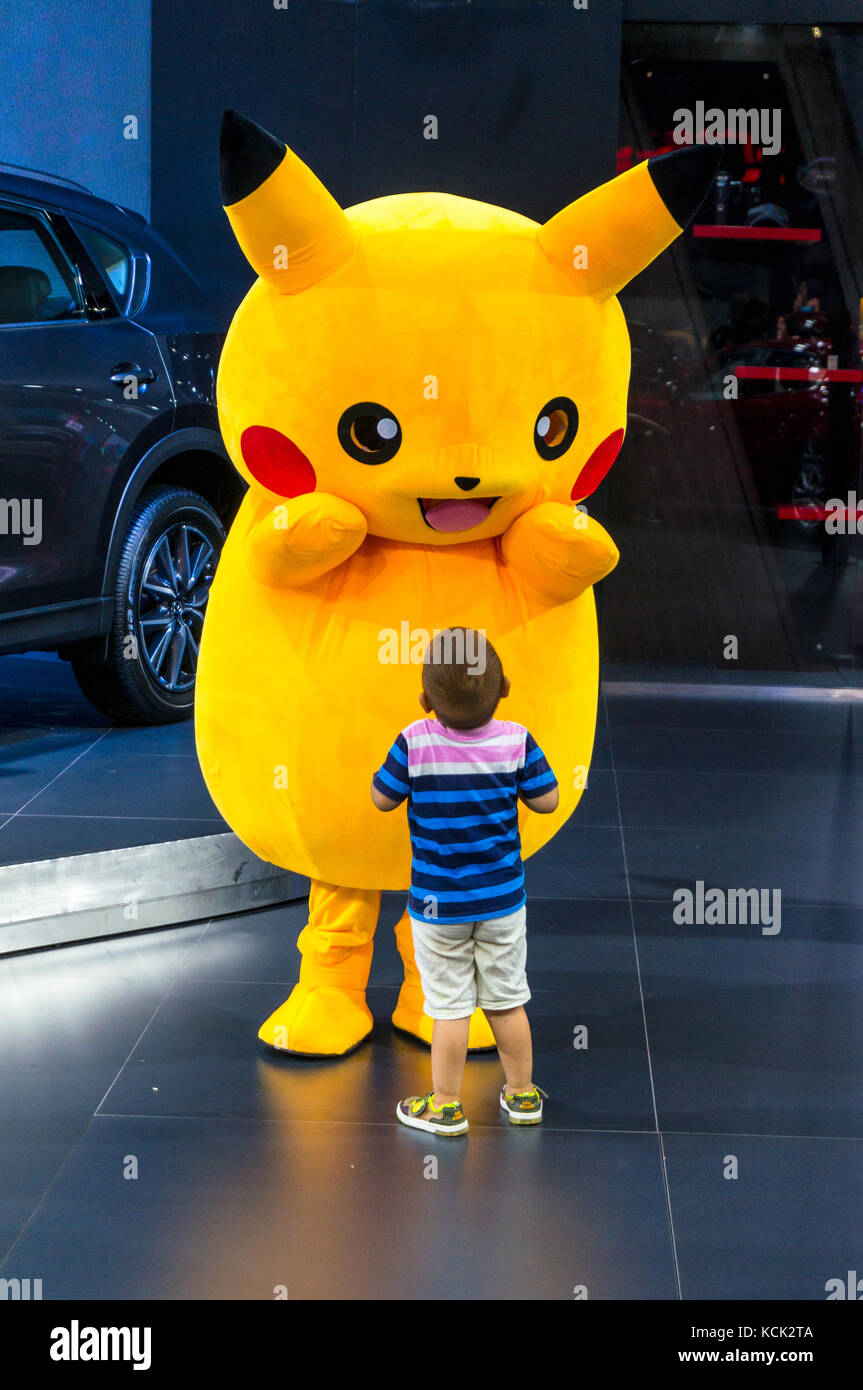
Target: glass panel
(111, 258)
(36, 282)
(731, 498)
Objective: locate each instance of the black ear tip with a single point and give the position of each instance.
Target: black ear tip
(683, 178)
(248, 154)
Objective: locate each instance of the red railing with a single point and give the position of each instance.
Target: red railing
(728, 232)
(812, 374)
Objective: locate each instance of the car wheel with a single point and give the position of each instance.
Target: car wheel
(809, 486)
(162, 586)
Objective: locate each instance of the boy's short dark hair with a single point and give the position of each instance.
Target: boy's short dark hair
(462, 677)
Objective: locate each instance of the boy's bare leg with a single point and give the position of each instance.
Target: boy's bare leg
(512, 1035)
(448, 1054)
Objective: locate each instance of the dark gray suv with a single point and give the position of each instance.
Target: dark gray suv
(115, 488)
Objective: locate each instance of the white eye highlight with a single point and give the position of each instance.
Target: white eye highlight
(387, 429)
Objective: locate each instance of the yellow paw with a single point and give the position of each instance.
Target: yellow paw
(411, 1019)
(480, 1038)
(318, 1021)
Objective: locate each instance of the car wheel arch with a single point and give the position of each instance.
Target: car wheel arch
(175, 461)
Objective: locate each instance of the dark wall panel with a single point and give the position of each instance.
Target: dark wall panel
(525, 93)
(289, 70)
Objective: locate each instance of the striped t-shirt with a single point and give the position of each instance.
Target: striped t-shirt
(463, 787)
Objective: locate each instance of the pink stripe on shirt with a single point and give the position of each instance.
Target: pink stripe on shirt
(430, 745)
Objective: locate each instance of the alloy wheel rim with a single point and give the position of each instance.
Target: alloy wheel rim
(172, 601)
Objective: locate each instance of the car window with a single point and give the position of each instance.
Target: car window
(37, 284)
(794, 357)
(111, 258)
(748, 357)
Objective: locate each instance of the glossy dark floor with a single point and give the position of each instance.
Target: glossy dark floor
(71, 784)
(706, 1143)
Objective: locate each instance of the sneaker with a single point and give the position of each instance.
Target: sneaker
(523, 1108)
(420, 1112)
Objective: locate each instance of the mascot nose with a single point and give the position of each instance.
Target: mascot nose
(466, 483)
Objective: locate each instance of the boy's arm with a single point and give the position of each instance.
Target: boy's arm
(544, 804)
(391, 783)
(537, 787)
(383, 803)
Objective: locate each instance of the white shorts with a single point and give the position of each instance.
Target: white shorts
(468, 965)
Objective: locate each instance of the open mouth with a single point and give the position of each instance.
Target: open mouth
(455, 513)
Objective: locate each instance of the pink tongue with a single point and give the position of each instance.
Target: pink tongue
(456, 516)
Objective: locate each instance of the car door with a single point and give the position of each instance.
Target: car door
(68, 412)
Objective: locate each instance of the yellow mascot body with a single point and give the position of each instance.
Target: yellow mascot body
(419, 390)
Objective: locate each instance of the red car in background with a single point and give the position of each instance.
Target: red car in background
(800, 437)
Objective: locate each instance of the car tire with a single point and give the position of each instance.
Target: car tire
(166, 566)
(809, 487)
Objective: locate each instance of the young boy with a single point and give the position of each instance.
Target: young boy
(463, 772)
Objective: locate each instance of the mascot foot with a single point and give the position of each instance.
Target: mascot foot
(319, 1021)
(409, 1018)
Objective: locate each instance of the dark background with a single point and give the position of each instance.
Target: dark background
(525, 93)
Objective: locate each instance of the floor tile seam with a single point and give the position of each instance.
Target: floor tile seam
(41, 1202)
(278, 1122)
(138, 1039)
(55, 778)
(665, 1184)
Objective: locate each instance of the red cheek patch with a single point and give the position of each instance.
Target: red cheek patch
(275, 461)
(597, 465)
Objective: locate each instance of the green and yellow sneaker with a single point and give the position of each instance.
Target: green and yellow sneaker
(420, 1112)
(523, 1107)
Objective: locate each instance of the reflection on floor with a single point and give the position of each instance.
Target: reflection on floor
(71, 784)
(706, 1143)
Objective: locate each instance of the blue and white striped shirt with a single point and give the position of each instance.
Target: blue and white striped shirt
(463, 787)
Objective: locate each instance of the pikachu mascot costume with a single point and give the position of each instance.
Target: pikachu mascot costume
(418, 391)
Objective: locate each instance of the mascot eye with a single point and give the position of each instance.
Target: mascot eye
(556, 427)
(369, 432)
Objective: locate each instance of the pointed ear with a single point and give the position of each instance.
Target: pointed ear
(625, 223)
(291, 230)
